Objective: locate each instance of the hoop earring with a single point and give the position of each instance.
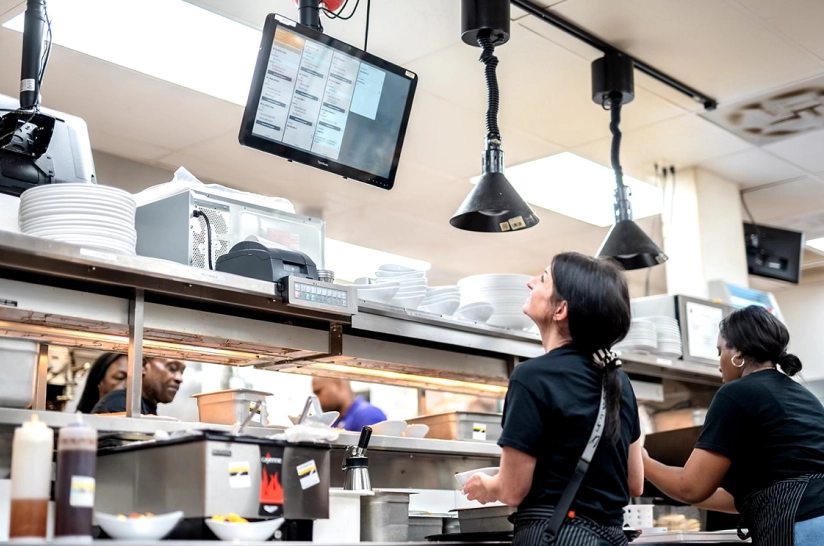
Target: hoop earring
(737, 365)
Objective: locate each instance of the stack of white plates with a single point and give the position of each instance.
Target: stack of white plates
(441, 300)
(668, 336)
(411, 284)
(88, 215)
(506, 293)
(642, 337)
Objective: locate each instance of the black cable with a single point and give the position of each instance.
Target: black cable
(199, 213)
(622, 200)
(332, 15)
(493, 133)
(746, 208)
(47, 53)
(366, 34)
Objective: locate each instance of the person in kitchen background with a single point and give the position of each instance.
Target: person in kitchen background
(107, 373)
(336, 394)
(581, 307)
(161, 380)
(761, 451)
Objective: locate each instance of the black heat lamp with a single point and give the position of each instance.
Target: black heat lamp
(493, 205)
(626, 243)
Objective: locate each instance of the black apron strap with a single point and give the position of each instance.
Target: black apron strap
(581, 468)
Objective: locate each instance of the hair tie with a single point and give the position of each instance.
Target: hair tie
(605, 358)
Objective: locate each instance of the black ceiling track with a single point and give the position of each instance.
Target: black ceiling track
(572, 29)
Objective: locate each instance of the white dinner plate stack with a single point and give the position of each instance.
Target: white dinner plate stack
(668, 336)
(641, 338)
(441, 300)
(89, 215)
(411, 284)
(507, 294)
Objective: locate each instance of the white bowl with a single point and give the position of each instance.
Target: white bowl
(389, 428)
(416, 431)
(411, 302)
(462, 477)
(151, 528)
(380, 294)
(445, 308)
(256, 530)
(478, 312)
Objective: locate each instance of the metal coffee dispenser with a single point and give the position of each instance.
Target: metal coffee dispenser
(211, 472)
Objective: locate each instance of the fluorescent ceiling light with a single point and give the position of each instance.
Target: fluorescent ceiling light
(350, 262)
(579, 188)
(817, 244)
(169, 39)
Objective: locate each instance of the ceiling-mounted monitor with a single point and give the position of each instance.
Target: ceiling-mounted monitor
(773, 252)
(319, 101)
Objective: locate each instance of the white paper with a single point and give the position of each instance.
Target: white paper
(702, 330)
(81, 494)
(239, 477)
(308, 474)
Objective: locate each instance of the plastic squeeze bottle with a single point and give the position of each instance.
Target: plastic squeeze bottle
(75, 485)
(31, 457)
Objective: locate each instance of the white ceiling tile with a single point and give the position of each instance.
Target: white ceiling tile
(785, 204)
(674, 141)
(803, 150)
(716, 47)
(10, 9)
(752, 167)
(783, 18)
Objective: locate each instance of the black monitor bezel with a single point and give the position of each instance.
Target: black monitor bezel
(790, 241)
(247, 138)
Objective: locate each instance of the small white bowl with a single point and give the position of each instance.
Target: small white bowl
(462, 477)
(256, 530)
(416, 431)
(389, 428)
(151, 528)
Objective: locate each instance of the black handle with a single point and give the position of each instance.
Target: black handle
(365, 435)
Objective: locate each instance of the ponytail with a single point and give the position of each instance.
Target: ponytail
(609, 362)
(789, 363)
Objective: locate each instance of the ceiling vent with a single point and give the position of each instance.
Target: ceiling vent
(774, 117)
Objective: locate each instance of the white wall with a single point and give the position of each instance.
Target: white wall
(803, 310)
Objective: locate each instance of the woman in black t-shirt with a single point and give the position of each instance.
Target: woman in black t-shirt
(581, 306)
(761, 452)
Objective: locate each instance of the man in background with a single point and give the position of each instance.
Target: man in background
(337, 395)
(161, 381)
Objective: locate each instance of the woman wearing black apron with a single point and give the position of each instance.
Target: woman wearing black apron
(761, 452)
(581, 307)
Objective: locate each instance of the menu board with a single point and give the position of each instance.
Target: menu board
(322, 102)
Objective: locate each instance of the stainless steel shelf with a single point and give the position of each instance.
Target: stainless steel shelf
(149, 425)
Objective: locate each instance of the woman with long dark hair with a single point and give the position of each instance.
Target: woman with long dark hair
(108, 373)
(761, 452)
(581, 307)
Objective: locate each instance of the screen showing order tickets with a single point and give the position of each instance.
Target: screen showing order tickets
(330, 104)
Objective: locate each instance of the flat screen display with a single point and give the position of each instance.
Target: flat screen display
(319, 101)
(773, 252)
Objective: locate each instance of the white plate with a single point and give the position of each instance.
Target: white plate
(389, 428)
(463, 477)
(416, 430)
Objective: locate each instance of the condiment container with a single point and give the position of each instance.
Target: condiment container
(75, 485)
(31, 459)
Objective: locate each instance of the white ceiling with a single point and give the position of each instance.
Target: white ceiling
(732, 50)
